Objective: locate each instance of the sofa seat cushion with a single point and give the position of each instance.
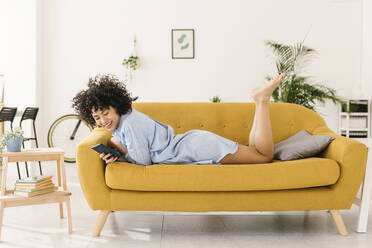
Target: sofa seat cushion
(294, 174)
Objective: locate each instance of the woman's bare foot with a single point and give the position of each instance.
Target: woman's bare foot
(264, 93)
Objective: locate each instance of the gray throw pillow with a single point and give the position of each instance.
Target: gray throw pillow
(301, 145)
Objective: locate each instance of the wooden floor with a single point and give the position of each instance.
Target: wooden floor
(26, 226)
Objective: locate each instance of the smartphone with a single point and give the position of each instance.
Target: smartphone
(101, 148)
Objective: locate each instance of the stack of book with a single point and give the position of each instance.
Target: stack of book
(32, 186)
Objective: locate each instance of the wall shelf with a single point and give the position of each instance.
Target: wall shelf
(357, 123)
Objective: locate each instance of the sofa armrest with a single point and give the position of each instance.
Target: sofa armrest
(351, 155)
(91, 170)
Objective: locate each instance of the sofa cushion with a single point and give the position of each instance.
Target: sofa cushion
(294, 174)
(301, 145)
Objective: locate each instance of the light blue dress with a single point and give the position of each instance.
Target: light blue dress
(149, 141)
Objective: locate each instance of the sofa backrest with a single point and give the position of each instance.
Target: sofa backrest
(232, 120)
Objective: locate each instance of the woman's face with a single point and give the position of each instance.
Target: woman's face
(107, 118)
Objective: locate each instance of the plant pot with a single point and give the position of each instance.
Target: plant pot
(14, 145)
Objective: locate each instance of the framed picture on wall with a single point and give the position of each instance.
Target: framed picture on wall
(183, 44)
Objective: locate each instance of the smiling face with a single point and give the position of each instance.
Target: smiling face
(106, 118)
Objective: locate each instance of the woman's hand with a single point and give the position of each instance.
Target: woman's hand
(105, 157)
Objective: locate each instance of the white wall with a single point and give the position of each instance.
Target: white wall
(18, 54)
(86, 37)
(366, 81)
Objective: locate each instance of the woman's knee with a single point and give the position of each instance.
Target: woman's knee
(269, 159)
(246, 155)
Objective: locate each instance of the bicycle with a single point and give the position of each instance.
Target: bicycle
(67, 132)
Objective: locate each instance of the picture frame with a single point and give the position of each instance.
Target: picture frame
(183, 43)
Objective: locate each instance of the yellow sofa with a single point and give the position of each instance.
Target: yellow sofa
(329, 181)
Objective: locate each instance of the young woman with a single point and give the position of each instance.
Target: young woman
(106, 103)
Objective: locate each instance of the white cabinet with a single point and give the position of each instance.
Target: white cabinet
(357, 123)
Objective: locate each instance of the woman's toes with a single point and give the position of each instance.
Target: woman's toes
(281, 76)
(265, 92)
(277, 79)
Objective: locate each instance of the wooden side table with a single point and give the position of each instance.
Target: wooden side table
(1, 123)
(8, 199)
(366, 189)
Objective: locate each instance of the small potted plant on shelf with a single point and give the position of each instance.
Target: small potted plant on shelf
(12, 140)
(215, 99)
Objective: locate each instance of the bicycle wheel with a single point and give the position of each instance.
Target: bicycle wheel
(67, 132)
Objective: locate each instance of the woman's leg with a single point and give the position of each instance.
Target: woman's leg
(253, 131)
(263, 137)
(263, 149)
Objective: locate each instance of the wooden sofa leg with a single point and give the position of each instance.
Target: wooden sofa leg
(100, 222)
(339, 222)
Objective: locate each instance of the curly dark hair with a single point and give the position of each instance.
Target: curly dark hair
(103, 91)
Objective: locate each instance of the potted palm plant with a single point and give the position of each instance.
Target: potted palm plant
(296, 88)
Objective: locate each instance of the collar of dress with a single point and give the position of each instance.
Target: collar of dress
(122, 120)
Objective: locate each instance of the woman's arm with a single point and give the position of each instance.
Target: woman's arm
(116, 144)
